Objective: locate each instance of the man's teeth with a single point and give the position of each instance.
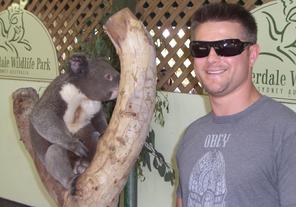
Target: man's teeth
(215, 71)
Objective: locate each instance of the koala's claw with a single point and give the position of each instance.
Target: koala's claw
(79, 149)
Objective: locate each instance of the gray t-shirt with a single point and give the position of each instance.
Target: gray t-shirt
(242, 160)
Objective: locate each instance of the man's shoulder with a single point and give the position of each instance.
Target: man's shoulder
(277, 110)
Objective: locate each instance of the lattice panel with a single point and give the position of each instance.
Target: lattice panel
(168, 22)
(66, 20)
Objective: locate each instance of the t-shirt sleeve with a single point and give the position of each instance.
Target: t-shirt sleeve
(287, 171)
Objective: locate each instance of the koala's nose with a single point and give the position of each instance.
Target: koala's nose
(114, 93)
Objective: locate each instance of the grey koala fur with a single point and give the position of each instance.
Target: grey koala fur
(68, 118)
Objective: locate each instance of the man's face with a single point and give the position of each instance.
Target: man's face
(220, 75)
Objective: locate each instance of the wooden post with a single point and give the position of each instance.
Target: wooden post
(130, 190)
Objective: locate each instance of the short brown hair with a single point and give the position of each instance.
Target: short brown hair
(226, 12)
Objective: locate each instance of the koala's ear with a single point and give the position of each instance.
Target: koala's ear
(78, 64)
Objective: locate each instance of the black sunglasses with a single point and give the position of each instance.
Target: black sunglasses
(226, 48)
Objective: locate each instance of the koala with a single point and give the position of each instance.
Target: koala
(66, 122)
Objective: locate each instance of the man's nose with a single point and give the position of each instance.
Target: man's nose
(213, 55)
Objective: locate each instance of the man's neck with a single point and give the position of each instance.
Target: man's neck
(233, 103)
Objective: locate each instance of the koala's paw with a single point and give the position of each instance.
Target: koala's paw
(96, 135)
(80, 166)
(79, 149)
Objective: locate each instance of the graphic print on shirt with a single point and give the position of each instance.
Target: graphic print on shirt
(207, 184)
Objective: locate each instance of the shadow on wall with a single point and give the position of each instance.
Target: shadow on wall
(8, 203)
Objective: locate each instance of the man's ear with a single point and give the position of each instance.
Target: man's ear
(254, 53)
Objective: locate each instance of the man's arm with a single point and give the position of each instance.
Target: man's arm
(179, 202)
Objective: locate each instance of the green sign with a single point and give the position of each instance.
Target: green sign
(26, 48)
(274, 73)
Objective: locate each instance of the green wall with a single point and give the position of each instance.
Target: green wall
(184, 109)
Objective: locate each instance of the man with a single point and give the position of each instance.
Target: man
(243, 153)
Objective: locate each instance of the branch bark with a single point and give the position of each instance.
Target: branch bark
(24, 100)
(118, 149)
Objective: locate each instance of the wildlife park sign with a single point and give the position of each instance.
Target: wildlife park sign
(274, 73)
(26, 48)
